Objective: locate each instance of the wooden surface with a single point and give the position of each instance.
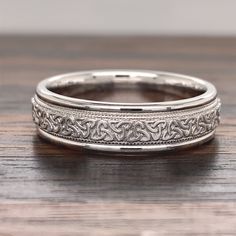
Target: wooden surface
(50, 190)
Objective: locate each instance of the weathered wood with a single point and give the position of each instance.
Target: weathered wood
(117, 218)
(57, 191)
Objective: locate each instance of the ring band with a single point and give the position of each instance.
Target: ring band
(113, 126)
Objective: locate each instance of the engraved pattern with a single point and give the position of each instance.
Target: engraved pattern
(128, 128)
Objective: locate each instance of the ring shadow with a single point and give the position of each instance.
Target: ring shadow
(144, 172)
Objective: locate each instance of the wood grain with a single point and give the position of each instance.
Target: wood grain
(47, 189)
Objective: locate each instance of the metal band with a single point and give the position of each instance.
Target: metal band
(128, 126)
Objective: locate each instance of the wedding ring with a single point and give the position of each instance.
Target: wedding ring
(128, 127)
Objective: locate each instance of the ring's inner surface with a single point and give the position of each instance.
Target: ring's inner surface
(126, 87)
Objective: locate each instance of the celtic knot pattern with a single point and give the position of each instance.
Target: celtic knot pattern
(110, 128)
(131, 129)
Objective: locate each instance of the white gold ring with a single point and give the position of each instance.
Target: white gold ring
(129, 127)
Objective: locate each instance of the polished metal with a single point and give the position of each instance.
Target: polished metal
(128, 127)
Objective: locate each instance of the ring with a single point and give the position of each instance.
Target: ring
(119, 126)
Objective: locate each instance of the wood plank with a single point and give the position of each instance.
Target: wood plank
(53, 190)
(117, 218)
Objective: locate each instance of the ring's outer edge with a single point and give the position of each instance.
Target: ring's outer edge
(51, 97)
